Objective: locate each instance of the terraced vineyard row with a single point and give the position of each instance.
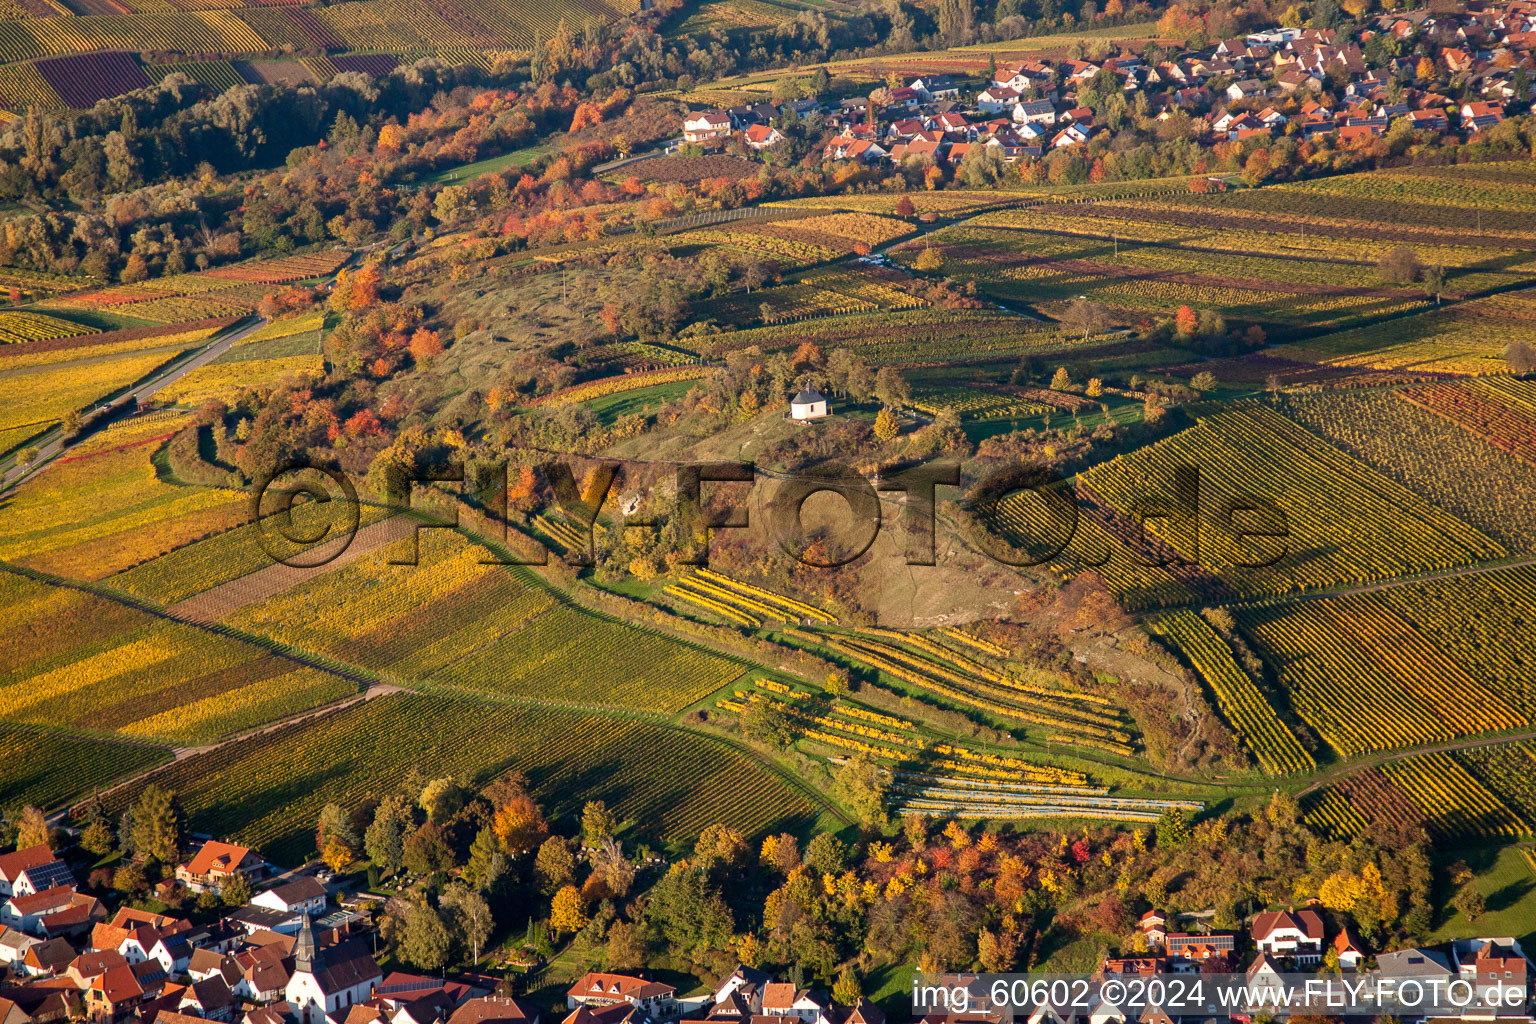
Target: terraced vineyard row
(943, 779)
(1062, 715)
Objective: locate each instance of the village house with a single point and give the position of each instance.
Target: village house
(785, 1000)
(13, 864)
(1199, 948)
(597, 990)
(494, 1010)
(215, 863)
(761, 137)
(706, 125)
(303, 895)
(1297, 934)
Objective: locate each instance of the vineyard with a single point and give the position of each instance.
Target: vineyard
(1482, 622)
(19, 328)
(84, 79)
(47, 769)
(226, 379)
(1481, 411)
(43, 395)
(194, 568)
(1444, 201)
(1023, 266)
(1245, 706)
(844, 231)
(970, 403)
(285, 269)
(92, 516)
(1428, 454)
(615, 385)
(164, 682)
(489, 632)
(1345, 523)
(1434, 791)
(1466, 338)
(912, 336)
(218, 75)
(266, 791)
(938, 778)
(1366, 680)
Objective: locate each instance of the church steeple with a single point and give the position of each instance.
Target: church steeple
(306, 951)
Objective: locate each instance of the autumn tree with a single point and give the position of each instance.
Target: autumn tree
(487, 863)
(929, 261)
(1085, 315)
(391, 137)
(1399, 265)
(886, 427)
(425, 345)
(904, 207)
(597, 823)
(1520, 357)
(335, 822)
(32, 829)
(235, 892)
(384, 840)
(566, 912)
(1186, 321)
(625, 949)
(1470, 902)
(554, 866)
(337, 855)
(863, 789)
(846, 990)
(519, 824)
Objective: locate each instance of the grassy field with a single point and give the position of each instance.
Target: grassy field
(1508, 884)
(490, 165)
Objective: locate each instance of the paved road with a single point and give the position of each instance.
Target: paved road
(53, 447)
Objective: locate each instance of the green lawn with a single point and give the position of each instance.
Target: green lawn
(490, 165)
(1509, 886)
(610, 407)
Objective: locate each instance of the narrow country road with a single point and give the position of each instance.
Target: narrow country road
(54, 446)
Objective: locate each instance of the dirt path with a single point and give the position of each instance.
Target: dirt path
(212, 605)
(1344, 770)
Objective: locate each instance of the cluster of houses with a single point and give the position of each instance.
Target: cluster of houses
(286, 955)
(1296, 941)
(745, 996)
(290, 957)
(1303, 82)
